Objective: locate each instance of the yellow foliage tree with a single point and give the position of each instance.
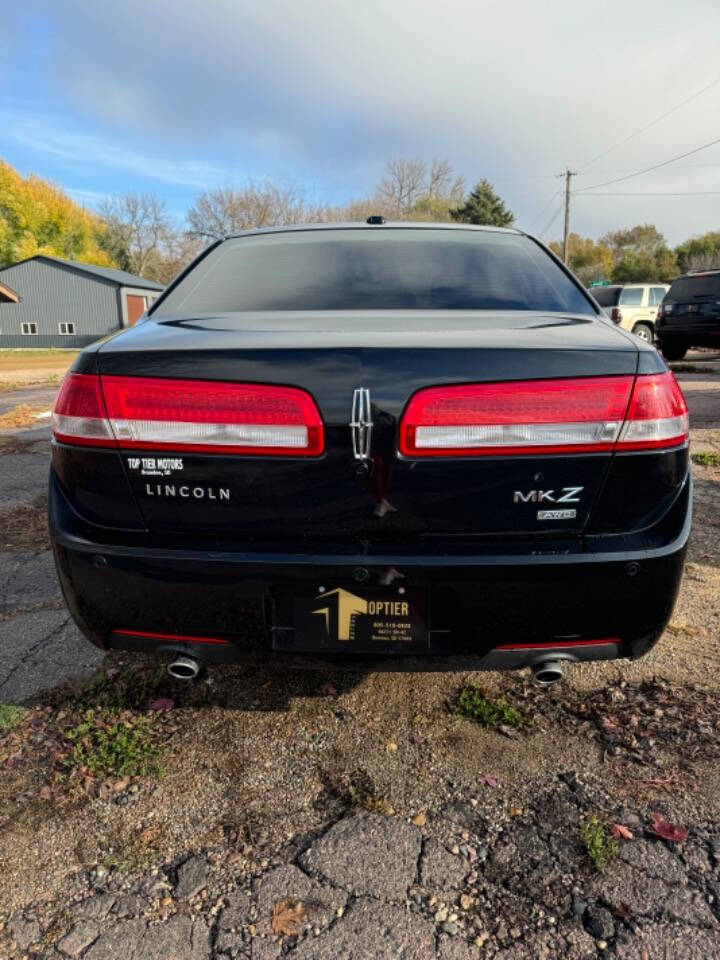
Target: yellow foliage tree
(37, 217)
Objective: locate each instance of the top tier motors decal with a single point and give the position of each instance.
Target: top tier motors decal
(166, 467)
(155, 466)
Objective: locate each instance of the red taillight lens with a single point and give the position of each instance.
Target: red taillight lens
(202, 416)
(658, 414)
(79, 414)
(583, 415)
(616, 315)
(536, 416)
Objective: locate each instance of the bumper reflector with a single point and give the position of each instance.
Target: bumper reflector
(171, 637)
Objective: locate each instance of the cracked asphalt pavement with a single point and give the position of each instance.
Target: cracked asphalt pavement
(40, 646)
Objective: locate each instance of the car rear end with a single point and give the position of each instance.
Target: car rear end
(445, 458)
(689, 316)
(608, 298)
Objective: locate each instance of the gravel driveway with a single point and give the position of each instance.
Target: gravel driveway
(359, 817)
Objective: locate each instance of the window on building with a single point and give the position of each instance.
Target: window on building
(67, 329)
(28, 329)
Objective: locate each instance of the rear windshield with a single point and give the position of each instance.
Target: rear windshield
(692, 288)
(606, 296)
(376, 269)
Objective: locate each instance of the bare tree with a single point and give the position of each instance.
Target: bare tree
(139, 230)
(402, 186)
(226, 210)
(410, 190)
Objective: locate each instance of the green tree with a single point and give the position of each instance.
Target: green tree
(484, 206)
(699, 253)
(640, 254)
(37, 217)
(589, 260)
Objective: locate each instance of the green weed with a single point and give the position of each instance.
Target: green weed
(110, 747)
(10, 716)
(706, 459)
(601, 846)
(472, 704)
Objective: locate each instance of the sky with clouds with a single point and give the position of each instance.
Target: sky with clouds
(176, 97)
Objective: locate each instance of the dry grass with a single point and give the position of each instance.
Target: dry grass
(23, 416)
(25, 528)
(21, 367)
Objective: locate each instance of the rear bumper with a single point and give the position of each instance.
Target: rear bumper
(604, 598)
(694, 336)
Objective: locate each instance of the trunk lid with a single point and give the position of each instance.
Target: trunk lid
(336, 496)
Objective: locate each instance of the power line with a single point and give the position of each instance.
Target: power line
(544, 210)
(651, 124)
(655, 166)
(552, 220)
(687, 193)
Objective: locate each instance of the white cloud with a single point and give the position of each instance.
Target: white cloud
(324, 91)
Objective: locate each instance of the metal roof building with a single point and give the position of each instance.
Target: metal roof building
(62, 303)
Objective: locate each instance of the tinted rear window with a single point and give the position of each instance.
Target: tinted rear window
(381, 269)
(606, 296)
(691, 288)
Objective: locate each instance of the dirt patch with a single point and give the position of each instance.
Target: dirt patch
(12, 443)
(19, 367)
(24, 415)
(25, 528)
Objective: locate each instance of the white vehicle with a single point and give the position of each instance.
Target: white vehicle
(633, 306)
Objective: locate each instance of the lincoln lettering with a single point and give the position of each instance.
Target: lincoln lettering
(171, 490)
(388, 608)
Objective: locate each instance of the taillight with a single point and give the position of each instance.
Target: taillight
(198, 416)
(660, 312)
(533, 416)
(616, 315)
(657, 416)
(581, 415)
(79, 415)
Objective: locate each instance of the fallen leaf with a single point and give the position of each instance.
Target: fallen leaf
(161, 703)
(489, 779)
(507, 731)
(288, 917)
(664, 782)
(45, 793)
(515, 811)
(391, 746)
(668, 831)
(420, 820)
(610, 726)
(618, 831)
(328, 690)
(121, 785)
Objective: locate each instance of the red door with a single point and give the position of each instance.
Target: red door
(136, 307)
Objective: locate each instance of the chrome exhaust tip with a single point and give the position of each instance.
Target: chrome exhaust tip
(184, 668)
(547, 673)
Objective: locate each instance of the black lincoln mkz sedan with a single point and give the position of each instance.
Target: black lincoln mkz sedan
(384, 445)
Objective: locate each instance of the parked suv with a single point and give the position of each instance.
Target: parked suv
(632, 306)
(689, 316)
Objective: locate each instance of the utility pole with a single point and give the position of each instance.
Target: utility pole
(568, 176)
